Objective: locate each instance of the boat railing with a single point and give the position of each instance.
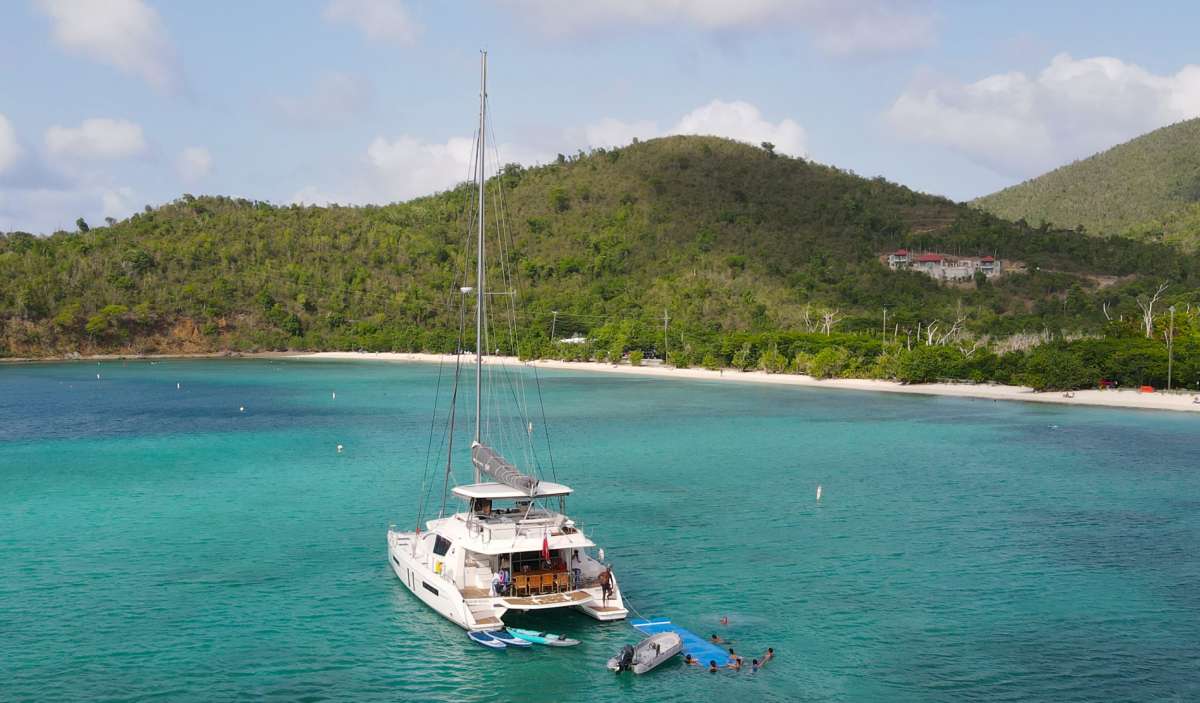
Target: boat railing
(505, 528)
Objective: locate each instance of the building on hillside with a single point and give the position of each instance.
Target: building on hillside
(900, 259)
(954, 268)
(931, 264)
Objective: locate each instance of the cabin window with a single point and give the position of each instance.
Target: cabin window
(440, 546)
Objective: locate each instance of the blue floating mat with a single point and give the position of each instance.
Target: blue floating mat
(693, 644)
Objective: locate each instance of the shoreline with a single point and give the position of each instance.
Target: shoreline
(151, 357)
(1125, 398)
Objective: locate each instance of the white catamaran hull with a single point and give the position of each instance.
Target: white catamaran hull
(486, 613)
(435, 591)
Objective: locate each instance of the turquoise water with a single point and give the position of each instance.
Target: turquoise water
(156, 543)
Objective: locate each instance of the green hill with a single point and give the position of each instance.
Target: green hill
(734, 242)
(1148, 188)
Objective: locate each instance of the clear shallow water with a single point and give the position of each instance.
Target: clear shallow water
(157, 543)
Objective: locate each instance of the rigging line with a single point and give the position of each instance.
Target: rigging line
(453, 412)
(448, 431)
(507, 245)
(545, 425)
(437, 394)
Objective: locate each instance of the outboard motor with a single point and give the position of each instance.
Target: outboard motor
(626, 658)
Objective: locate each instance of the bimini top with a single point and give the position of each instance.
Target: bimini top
(499, 491)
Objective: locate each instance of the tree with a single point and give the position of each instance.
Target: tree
(81, 225)
(769, 148)
(772, 361)
(107, 321)
(67, 317)
(741, 359)
(830, 362)
(559, 200)
(1146, 303)
(1056, 368)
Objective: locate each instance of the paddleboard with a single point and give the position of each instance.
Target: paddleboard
(507, 638)
(486, 639)
(546, 638)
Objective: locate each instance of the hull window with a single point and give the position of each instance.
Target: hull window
(429, 588)
(396, 560)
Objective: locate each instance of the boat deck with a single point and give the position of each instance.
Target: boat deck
(568, 598)
(565, 598)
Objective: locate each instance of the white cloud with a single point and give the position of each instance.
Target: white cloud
(1020, 126)
(737, 119)
(334, 99)
(742, 121)
(117, 202)
(407, 167)
(126, 34)
(45, 210)
(10, 148)
(838, 27)
(98, 138)
(193, 164)
(379, 20)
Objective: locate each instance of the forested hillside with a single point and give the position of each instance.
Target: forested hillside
(1148, 188)
(739, 246)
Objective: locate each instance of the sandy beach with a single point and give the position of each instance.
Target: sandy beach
(1128, 399)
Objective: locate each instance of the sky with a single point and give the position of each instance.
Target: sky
(107, 106)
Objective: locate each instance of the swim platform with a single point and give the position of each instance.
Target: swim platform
(693, 644)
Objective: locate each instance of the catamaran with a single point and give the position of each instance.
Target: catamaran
(513, 547)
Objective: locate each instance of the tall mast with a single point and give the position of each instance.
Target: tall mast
(479, 293)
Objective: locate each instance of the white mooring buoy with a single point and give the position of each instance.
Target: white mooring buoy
(818, 493)
(178, 386)
(335, 395)
(339, 449)
(241, 408)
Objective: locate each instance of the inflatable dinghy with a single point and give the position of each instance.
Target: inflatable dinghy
(647, 654)
(545, 638)
(486, 639)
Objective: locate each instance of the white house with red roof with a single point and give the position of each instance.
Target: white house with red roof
(900, 259)
(945, 268)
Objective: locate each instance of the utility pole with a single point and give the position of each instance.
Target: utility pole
(885, 324)
(553, 324)
(1170, 346)
(665, 341)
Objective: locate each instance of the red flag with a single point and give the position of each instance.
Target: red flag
(545, 546)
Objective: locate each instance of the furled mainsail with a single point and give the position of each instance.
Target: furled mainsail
(490, 462)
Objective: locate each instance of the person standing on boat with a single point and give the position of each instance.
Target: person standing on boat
(606, 583)
(576, 569)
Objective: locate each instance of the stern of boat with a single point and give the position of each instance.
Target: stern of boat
(605, 610)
